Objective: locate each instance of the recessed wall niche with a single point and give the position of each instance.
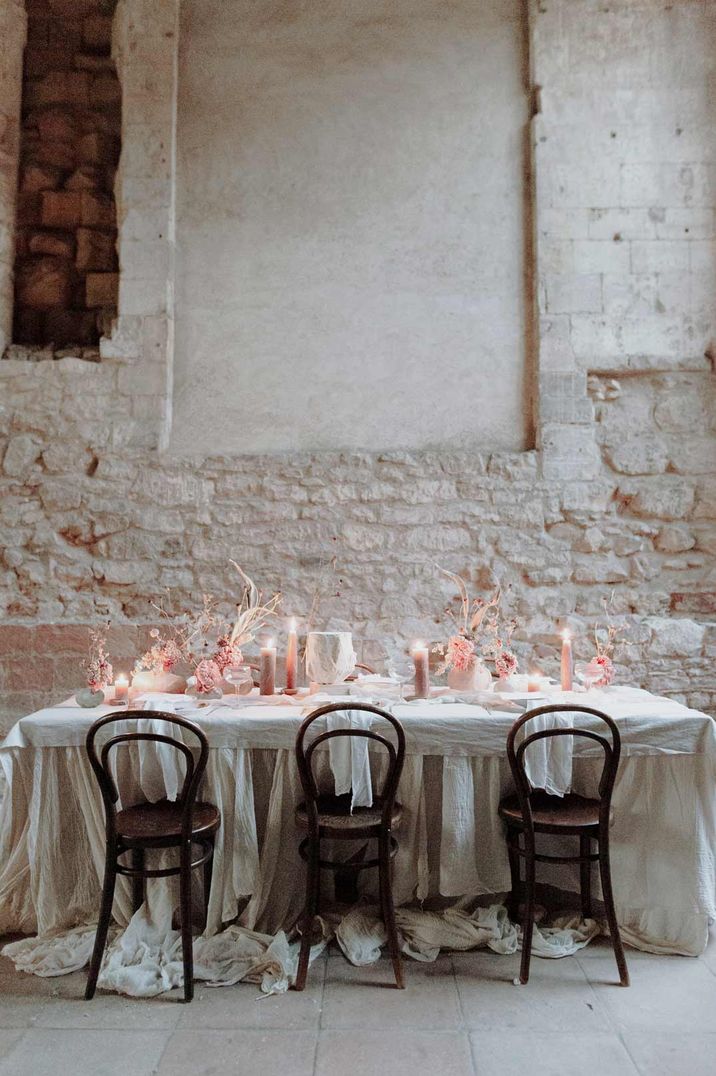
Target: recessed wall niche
(66, 229)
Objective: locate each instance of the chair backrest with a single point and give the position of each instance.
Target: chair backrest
(611, 748)
(105, 777)
(396, 755)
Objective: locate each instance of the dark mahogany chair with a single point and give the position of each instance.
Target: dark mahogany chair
(165, 824)
(532, 811)
(329, 817)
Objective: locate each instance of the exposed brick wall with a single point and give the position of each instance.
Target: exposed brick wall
(66, 260)
(620, 497)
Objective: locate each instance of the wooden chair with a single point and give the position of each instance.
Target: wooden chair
(328, 816)
(533, 811)
(164, 824)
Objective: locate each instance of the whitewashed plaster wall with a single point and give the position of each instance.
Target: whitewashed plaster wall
(350, 225)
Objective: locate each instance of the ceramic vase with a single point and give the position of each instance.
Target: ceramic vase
(476, 678)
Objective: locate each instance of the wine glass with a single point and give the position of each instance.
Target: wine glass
(402, 670)
(239, 676)
(588, 672)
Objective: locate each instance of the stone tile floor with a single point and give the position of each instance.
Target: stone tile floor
(458, 1017)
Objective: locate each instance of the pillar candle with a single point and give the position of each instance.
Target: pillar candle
(267, 674)
(121, 689)
(422, 671)
(566, 664)
(291, 659)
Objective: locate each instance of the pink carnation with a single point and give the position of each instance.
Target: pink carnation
(607, 667)
(227, 654)
(208, 676)
(460, 653)
(505, 664)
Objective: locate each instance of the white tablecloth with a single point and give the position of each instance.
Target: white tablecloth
(451, 841)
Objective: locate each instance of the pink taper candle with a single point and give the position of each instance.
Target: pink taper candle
(566, 664)
(267, 672)
(422, 671)
(291, 659)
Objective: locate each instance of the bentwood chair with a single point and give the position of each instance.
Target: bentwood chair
(533, 810)
(165, 824)
(329, 817)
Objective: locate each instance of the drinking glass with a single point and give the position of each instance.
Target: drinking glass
(587, 672)
(402, 670)
(239, 676)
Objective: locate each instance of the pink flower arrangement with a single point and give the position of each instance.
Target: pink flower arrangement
(505, 664)
(207, 675)
(607, 666)
(460, 653)
(97, 664)
(227, 654)
(162, 657)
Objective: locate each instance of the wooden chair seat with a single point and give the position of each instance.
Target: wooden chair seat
(553, 814)
(336, 820)
(158, 825)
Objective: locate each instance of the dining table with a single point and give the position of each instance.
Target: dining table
(451, 842)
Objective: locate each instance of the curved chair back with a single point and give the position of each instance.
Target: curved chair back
(105, 777)
(611, 748)
(304, 755)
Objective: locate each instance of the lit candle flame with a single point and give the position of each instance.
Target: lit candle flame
(122, 681)
(269, 644)
(293, 624)
(566, 634)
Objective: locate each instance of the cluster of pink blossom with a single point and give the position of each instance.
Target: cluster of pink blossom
(607, 667)
(460, 653)
(98, 667)
(227, 653)
(505, 664)
(208, 676)
(163, 656)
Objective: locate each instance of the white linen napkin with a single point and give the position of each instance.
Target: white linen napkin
(350, 758)
(548, 762)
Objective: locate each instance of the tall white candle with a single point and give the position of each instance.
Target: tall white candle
(291, 659)
(267, 673)
(422, 671)
(566, 663)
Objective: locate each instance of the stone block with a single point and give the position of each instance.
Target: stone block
(637, 453)
(666, 499)
(65, 327)
(57, 244)
(97, 32)
(57, 154)
(105, 90)
(573, 293)
(97, 210)
(61, 209)
(102, 289)
(98, 148)
(95, 250)
(28, 208)
(59, 88)
(600, 256)
(55, 125)
(21, 454)
(75, 9)
(694, 455)
(40, 177)
(44, 282)
(86, 178)
(675, 637)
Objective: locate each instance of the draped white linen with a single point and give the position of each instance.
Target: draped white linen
(451, 841)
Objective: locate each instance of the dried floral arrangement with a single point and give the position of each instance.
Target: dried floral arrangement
(97, 664)
(606, 636)
(480, 632)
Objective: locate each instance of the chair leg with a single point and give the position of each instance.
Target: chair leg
(207, 872)
(585, 876)
(105, 915)
(137, 883)
(529, 913)
(313, 882)
(185, 917)
(513, 901)
(606, 878)
(388, 909)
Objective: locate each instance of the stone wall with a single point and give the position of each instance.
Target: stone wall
(619, 498)
(65, 237)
